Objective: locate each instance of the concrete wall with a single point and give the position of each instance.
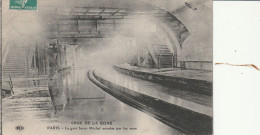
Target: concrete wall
(199, 22)
(199, 45)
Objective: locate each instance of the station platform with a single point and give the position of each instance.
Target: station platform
(192, 111)
(189, 100)
(204, 75)
(197, 81)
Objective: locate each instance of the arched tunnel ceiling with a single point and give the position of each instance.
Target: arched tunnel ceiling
(175, 5)
(186, 11)
(197, 16)
(115, 9)
(95, 7)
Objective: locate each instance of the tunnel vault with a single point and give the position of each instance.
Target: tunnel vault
(79, 24)
(82, 22)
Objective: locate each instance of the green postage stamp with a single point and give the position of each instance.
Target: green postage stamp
(23, 4)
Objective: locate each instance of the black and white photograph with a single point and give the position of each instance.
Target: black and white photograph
(107, 67)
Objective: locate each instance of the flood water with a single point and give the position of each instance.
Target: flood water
(79, 100)
(80, 106)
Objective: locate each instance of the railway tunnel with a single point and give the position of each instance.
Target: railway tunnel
(141, 65)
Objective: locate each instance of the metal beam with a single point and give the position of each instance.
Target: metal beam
(115, 12)
(88, 17)
(101, 11)
(86, 12)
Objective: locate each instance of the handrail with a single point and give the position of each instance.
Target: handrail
(154, 59)
(5, 55)
(183, 64)
(11, 84)
(196, 61)
(155, 50)
(29, 59)
(166, 54)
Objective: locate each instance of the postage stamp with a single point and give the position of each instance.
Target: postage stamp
(23, 4)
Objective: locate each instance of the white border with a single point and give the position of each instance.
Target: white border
(236, 88)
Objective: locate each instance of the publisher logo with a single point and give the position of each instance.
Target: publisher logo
(19, 128)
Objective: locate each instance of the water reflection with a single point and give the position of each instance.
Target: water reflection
(77, 98)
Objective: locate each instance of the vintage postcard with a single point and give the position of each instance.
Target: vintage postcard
(107, 67)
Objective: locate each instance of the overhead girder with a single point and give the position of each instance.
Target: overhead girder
(97, 29)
